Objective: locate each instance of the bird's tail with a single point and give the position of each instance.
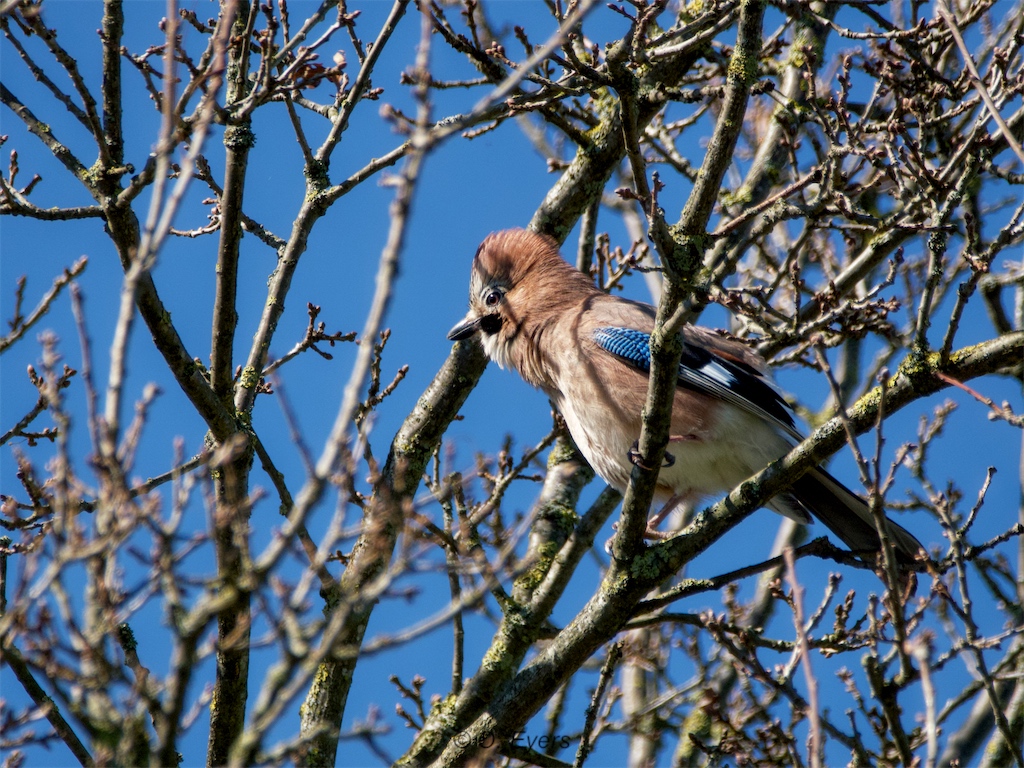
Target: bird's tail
(848, 516)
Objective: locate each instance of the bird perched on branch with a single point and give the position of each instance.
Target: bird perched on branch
(589, 352)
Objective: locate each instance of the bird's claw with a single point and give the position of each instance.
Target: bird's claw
(637, 459)
(634, 456)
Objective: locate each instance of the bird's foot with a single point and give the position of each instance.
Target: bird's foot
(636, 458)
(653, 534)
(650, 534)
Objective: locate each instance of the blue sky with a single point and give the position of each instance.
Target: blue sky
(469, 188)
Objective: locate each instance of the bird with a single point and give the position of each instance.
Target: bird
(589, 352)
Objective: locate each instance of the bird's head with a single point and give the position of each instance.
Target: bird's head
(517, 276)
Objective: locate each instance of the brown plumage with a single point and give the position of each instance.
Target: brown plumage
(543, 318)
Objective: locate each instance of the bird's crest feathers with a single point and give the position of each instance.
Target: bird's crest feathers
(519, 257)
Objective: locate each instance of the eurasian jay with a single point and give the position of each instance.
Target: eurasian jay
(589, 352)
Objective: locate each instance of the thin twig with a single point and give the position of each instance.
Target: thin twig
(943, 10)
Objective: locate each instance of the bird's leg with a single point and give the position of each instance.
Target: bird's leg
(654, 520)
(652, 533)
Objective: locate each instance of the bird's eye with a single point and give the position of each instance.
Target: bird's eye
(492, 298)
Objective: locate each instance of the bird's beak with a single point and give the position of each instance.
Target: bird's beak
(469, 325)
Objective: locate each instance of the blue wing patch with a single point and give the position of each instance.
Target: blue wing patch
(628, 343)
(702, 371)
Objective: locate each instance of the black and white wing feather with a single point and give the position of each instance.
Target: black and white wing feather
(701, 370)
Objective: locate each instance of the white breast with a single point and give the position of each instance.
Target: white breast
(739, 446)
